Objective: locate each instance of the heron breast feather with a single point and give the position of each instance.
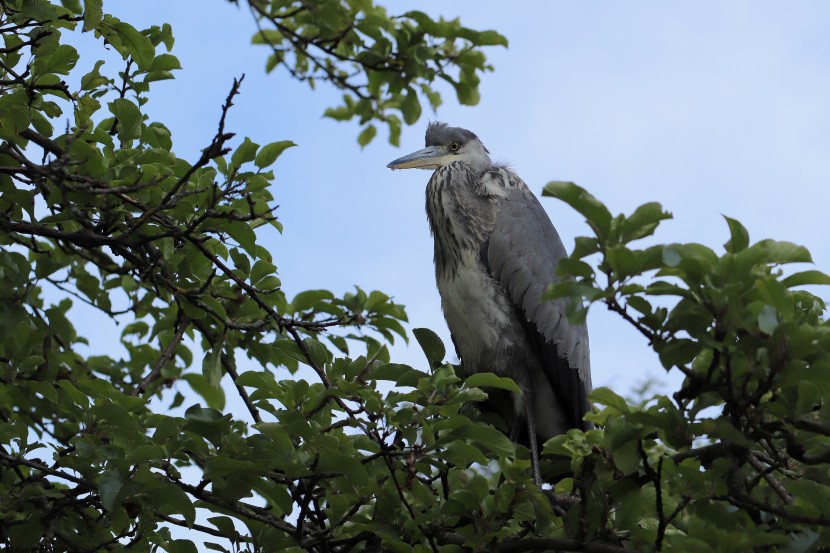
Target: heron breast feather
(477, 310)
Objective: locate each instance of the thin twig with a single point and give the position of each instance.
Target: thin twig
(166, 355)
(43, 468)
(200, 528)
(231, 370)
(214, 150)
(773, 482)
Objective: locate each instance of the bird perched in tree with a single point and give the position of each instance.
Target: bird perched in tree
(496, 252)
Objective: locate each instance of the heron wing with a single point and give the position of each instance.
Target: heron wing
(522, 254)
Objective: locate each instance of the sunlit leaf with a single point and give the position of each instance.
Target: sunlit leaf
(269, 153)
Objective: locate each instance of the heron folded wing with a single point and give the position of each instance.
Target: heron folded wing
(522, 254)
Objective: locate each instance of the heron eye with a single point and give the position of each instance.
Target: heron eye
(454, 146)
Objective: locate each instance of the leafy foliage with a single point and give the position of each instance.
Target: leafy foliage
(738, 457)
(385, 65)
(142, 451)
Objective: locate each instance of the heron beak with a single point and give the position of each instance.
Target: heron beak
(431, 157)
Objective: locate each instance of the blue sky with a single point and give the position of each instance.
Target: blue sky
(707, 107)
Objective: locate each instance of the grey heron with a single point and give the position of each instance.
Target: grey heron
(496, 251)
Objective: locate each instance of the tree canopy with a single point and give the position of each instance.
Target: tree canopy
(104, 452)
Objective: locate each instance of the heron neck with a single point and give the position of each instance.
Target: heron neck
(478, 160)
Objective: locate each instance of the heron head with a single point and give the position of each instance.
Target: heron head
(446, 145)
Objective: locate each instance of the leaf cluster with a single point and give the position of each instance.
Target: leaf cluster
(386, 65)
(737, 458)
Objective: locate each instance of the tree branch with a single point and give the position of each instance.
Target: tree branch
(166, 355)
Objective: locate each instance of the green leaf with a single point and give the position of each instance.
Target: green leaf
(214, 396)
(570, 267)
(678, 352)
(269, 153)
(223, 466)
(490, 380)
(212, 364)
(395, 131)
(115, 415)
(270, 37)
(491, 38)
(207, 422)
(260, 270)
(166, 36)
(806, 278)
(129, 119)
(43, 388)
(739, 236)
(310, 299)
(181, 546)
(61, 60)
(402, 375)
(784, 252)
(609, 398)
(431, 345)
(339, 463)
(584, 246)
(93, 12)
(466, 88)
(486, 436)
(240, 261)
(192, 311)
(410, 107)
(317, 351)
(277, 496)
(269, 284)
(643, 221)
(366, 135)
(505, 495)
(128, 41)
(627, 457)
(41, 124)
(154, 76)
(340, 113)
(640, 304)
(775, 294)
(145, 453)
(244, 153)
(597, 215)
(691, 262)
(244, 235)
(108, 487)
(225, 525)
(165, 62)
(809, 395)
(78, 397)
(290, 348)
(462, 454)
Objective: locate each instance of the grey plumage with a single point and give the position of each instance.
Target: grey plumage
(496, 252)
